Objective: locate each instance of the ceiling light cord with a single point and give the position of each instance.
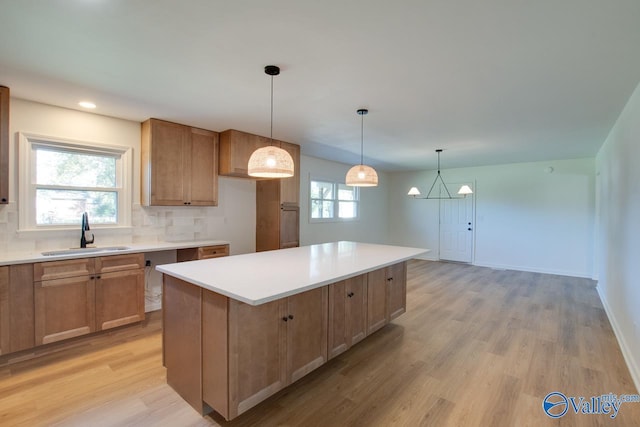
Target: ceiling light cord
(271, 134)
(361, 139)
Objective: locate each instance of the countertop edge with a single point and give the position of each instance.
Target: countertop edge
(33, 257)
(285, 294)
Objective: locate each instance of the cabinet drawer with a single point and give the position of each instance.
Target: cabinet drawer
(213, 251)
(107, 264)
(205, 252)
(63, 269)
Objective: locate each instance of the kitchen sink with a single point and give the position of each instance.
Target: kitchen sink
(80, 251)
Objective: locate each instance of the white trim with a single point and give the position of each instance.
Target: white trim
(626, 350)
(533, 269)
(335, 201)
(26, 176)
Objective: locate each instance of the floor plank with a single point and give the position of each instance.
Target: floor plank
(477, 347)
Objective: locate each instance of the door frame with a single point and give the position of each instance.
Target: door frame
(455, 185)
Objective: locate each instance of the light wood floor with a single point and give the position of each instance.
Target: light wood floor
(477, 347)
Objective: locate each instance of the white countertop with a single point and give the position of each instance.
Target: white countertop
(26, 257)
(261, 277)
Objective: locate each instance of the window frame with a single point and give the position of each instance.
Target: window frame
(28, 144)
(335, 200)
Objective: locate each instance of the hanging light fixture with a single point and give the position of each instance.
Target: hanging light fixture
(463, 191)
(362, 175)
(271, 161)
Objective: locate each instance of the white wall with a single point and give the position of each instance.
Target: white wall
(371, 227)
(227, 221)
(526, 219)
(618, 240)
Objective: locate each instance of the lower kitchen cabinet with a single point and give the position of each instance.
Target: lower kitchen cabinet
(80, 296)
(347, 314)
(376, 300)
(397, 283)
(386, 295)
(4, 310)
(274, 344)
(119, 298)
(64, 308)
(16, 308)
(225, 355)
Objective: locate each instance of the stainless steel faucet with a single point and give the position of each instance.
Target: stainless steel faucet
(85, 227)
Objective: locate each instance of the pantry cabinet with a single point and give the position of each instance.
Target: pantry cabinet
(179, 165)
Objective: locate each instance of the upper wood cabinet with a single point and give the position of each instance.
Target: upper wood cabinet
(4, 145)
(179, 165)
(235, 149)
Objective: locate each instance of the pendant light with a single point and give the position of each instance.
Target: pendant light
(362, 175)
(271, 161)
(463, 191)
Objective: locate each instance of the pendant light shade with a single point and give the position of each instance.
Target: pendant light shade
(271, 161)
(464, 190)
(362, 175)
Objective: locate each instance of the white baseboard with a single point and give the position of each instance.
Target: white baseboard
(535, 270)
(626, 352)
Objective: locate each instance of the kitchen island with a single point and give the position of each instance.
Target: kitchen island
(238, 329)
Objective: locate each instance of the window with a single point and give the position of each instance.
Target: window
(59, 180)
(332, 201)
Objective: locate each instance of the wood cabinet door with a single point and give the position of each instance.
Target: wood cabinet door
(113, 263)
(289, 226)
(376, 300)
(4, 145)
(257, 353)
(119, 298)
(61, 269)
(397, 283)
(4, 310)
(356, 293)
(337, 327)
(267, 215)
(306, 332)
(236, 148)
(64, 308)
(203, 171)
(290, 187)
(168, 162)
(21, 307)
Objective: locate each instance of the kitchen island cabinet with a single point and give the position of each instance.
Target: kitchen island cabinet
(239, 329)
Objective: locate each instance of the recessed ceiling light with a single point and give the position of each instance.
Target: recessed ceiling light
(87, 104)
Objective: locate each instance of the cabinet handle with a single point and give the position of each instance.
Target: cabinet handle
(389, 279)
(98, 277)
(285, 318)
(291, 317)
(350, 294)
(92, 277)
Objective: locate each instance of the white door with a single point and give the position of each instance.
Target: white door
(456, 226)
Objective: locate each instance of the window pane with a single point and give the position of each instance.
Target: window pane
(347, 209)
(321, 209)
(321, 190)
(346, 192)
(74, 169)
(67, 206)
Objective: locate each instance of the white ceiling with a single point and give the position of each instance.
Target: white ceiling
(493, 81)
